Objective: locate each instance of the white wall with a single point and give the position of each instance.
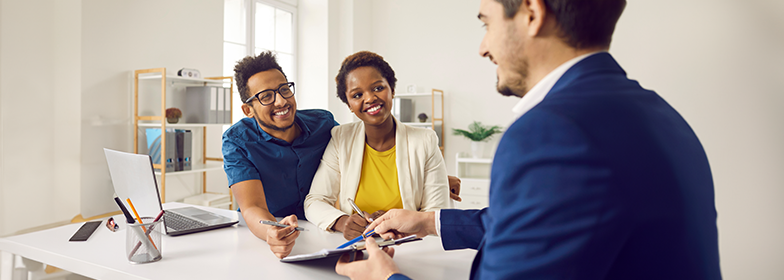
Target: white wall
(327, 35)
(65, 93)
(119, 37)
(39, 101)
(435, 44)
(721, 65)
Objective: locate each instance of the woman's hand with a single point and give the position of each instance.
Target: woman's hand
(454, 188)
(375, 215)
(352, 226)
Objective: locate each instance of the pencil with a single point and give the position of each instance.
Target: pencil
(140, 221)
(147, 232)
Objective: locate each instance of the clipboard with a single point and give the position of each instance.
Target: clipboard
(328, 253)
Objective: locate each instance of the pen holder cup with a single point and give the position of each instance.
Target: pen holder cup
(143, 241)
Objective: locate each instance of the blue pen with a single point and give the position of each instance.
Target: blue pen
(355, 240)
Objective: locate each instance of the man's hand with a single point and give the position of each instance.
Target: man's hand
(281, 240)
(454, 188)
(378, 265)
(397, 223)
(351, 226)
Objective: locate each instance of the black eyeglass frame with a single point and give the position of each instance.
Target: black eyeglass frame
(275, 94)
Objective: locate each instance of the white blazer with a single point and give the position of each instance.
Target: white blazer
(421, 172)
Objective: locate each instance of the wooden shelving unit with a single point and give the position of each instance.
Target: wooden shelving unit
(207, 163)
(435, 95)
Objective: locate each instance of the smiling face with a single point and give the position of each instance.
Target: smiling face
(505, 45)
(278, 116)
(369, 95)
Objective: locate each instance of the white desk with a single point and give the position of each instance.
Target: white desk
(227, 253)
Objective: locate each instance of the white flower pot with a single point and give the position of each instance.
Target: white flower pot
(476, 149)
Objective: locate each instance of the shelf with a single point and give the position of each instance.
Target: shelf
(197, 168)
(174, 78)
(418, 123)
(474, 160)
(424, 94)
(185, 125)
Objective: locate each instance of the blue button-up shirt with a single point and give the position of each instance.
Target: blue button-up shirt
(285, 169)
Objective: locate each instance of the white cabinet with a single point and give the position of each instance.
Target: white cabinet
(474, 174)
(154, 91)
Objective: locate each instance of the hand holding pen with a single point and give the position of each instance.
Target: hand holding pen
(353, 226)
(281, 239)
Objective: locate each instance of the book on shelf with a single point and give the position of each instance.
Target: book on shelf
(183, 153)
(207, 104)
(178, 148)
(154, 147)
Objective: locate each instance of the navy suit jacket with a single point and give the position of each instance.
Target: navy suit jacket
(601, 180)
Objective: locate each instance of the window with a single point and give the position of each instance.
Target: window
(253, 26)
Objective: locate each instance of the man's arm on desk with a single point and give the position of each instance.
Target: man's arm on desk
(251, 199)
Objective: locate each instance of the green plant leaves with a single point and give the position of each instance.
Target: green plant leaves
(477, 131)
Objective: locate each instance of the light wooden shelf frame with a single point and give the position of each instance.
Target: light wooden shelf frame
(147, 74)
(432, 94)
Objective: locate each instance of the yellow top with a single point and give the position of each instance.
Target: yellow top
(378, 187)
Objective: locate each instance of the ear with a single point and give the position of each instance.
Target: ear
(531, 15)
(246, 109)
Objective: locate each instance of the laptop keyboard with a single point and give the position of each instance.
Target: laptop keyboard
(179, 222)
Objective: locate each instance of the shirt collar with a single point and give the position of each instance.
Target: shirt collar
(304, 131)
(540, 90)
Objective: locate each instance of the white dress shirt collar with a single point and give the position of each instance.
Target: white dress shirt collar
(540, 90)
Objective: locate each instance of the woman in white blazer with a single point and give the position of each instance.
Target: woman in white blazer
(366, 84)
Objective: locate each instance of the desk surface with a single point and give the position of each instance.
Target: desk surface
(227, 253)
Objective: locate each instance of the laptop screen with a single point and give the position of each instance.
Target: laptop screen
(133, 177)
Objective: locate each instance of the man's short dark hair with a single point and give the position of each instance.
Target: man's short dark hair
(583, 23)
(251, 65)
(360, 59)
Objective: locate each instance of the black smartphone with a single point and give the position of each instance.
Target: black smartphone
(85, 231)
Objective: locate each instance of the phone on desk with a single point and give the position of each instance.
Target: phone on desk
(85, 231)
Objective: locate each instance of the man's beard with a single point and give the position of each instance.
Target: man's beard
(515, 85)
(271, 126)
(274, 127)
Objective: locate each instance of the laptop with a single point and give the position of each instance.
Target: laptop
(133, 177)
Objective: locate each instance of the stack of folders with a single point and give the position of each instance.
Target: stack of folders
(178, 148)
(207, 104)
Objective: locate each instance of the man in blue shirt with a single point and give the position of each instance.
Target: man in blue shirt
(271, 156)
(274, 152)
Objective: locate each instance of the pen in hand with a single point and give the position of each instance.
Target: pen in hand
(357, 239)
(359, 211)
(271, 223)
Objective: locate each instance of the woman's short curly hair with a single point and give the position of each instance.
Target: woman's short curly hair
(360, 59)
(251, 65)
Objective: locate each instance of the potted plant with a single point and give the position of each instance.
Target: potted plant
(422, 117)
(173, 115)
(477, 133)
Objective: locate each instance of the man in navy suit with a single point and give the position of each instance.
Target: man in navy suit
(598, 178)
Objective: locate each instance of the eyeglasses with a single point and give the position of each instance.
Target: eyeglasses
(267, 97)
